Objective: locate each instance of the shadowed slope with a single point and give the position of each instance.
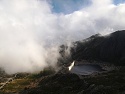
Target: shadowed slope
(110, 48)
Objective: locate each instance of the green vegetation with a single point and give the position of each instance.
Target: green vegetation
(45, 72)
(24, 81)
(17, 85)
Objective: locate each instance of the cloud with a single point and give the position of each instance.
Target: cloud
(30, 33)
(101, 17)
(24, 27)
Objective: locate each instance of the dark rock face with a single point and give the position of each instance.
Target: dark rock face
(58, 84)
(110, 48)
(113, 47)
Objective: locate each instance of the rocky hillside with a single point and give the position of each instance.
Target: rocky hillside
(112, 82)
(96, 49)
(109, 48)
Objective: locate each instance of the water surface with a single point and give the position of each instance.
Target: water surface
(86, 69)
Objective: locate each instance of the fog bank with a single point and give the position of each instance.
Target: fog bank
(30, 33)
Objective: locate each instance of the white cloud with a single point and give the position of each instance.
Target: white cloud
(30, 33)
(97, 18)
(23, 27)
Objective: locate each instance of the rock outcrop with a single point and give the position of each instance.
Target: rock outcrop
(109, 48)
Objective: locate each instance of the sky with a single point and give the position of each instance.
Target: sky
(31, 31)
(68, 6)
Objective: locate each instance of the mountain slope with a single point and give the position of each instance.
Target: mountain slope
(109, 48)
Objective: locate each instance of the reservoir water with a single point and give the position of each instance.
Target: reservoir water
(86, 69)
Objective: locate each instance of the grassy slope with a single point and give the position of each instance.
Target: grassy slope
(24, 81)
(106, 83)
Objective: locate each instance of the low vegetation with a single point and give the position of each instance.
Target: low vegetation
(25, 81)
